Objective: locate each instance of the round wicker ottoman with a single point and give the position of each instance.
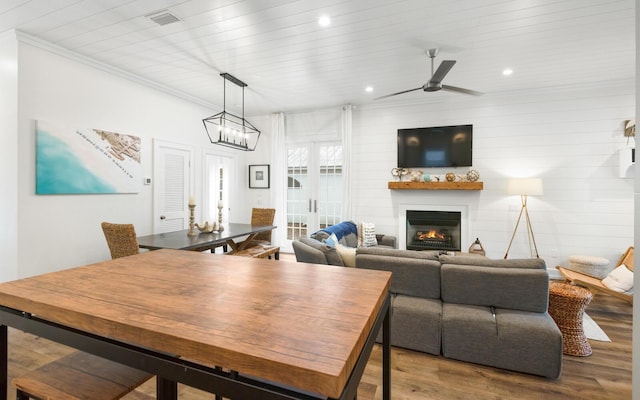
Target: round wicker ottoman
(566, 306)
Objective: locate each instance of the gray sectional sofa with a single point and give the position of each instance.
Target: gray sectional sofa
(471, 308)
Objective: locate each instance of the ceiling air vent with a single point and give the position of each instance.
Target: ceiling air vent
(163, 17)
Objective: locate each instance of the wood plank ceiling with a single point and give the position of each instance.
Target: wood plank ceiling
(292, 63)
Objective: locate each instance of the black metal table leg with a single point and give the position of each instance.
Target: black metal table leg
(166, 389)
(386, 356)
(4, 360)
(217, 396)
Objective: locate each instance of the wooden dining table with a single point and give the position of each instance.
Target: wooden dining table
(179, 240)
(242, 328)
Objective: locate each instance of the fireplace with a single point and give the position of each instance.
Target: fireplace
(433, 230)
(450, 223)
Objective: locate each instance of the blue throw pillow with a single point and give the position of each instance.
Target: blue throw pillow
(331, 241)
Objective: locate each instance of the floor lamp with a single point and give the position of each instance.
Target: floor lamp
(524, 188)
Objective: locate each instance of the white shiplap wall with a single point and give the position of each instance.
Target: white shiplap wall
(568, 136)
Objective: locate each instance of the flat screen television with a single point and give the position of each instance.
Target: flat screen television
(441, 146)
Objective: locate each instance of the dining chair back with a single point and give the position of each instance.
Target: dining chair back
(263, 216)
(121, 239)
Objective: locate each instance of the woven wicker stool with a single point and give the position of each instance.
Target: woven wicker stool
(566, 306)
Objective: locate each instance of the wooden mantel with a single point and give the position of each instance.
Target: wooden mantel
(407, 185)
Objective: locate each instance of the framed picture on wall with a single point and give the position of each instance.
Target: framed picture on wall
(259, 176)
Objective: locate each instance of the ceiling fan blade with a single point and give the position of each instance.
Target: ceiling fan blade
(442, 71)
(461, 90)
(397, 93)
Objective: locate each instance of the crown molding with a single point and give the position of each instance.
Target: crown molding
(71, 55)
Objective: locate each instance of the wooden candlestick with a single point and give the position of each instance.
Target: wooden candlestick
(192, 218)
(220, 227)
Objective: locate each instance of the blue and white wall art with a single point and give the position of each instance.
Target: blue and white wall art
(85, 161)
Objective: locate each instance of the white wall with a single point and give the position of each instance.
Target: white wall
(258, 198)
(62, 231)
(9, 156)
(569, 137)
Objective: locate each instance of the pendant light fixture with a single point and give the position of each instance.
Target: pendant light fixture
(229, 130)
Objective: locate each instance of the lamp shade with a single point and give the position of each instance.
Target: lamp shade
(525, 186)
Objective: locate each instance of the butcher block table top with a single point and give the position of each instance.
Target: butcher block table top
(295, 324)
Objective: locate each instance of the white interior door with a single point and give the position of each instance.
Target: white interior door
(314, 192)
(173, 175)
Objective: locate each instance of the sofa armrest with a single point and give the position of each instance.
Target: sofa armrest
(387, 240)
(307, 254)
(330, 254)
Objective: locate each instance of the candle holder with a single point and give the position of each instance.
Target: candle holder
(220, 227)
(192, 218)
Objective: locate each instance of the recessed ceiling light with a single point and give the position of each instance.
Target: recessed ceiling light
(507, 72)
(368, 89)
(324, 20)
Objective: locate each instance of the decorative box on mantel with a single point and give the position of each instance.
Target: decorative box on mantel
(408, 185)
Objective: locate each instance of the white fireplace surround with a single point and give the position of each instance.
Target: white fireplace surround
(464, 221)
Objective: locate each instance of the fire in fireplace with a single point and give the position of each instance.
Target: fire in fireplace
(433, 230)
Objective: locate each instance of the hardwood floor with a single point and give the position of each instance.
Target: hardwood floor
(606, 374)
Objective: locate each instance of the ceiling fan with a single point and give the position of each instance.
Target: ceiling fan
(435, 83)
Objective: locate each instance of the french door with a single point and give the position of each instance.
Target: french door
(314, 189)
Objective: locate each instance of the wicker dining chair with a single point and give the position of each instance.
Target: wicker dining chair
(262, 216)
(121, 239)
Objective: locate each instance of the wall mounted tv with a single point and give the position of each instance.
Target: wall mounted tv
(441, 146)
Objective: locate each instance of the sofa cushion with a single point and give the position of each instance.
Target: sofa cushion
(620, 279)
(416, 324)
(350, 240)
(413, 275)
(535, 263)
(333, 258)
(515, 288)
(515, 340)
(331, 241)
(386, 251)
(386, 240)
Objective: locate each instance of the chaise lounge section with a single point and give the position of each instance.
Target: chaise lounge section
(471, 308)
(315, 250)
